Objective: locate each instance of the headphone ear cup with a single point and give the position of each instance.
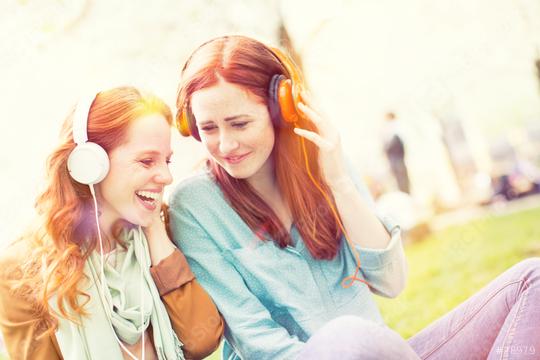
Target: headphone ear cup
(192, 126)
(286, 101)
(273, 102)
(88, 163)
(182, 123)
(186, 124)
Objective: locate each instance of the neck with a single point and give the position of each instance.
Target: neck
(106, 225)
(107, 217)
(265, 184)
(264, 180)
(109, 243)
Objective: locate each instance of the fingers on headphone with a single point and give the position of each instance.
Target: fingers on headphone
(305, 96)
(307, 99)
(313, 137)
(311, 114)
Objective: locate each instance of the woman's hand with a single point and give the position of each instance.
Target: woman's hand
(159, 243)
(328, 140)
(157, 226)
(362, 226)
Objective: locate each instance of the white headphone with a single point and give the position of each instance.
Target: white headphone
(88, 162)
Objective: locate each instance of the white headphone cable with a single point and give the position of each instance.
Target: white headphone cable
(102, 277)
(143, 266)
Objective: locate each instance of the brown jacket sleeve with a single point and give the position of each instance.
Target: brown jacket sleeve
(193, 315)
(20, 328)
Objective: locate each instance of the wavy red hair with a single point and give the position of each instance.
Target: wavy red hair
(66, 234)
(250, 64)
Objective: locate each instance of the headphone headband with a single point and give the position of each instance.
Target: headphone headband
(80, 119)
(289, 65)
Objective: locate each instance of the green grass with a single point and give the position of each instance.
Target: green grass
(448, 267)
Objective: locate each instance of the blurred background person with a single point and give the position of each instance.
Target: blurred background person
(394, 149)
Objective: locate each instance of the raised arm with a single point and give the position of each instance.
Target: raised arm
(376, 238)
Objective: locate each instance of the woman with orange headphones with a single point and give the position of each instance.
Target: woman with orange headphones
(260, 226)
(98, 277)
(281, 235)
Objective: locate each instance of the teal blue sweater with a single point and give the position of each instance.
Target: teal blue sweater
(274, 299)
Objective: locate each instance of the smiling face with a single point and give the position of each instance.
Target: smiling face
(139, 171)
(236, 129)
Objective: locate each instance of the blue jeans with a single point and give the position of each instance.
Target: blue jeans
(501, 321)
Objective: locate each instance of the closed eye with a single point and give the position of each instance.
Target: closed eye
(207, 128)
(147, 162)
(240, 124)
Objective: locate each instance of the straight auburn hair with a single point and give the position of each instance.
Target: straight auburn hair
(250, 64)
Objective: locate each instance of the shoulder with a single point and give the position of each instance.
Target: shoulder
(196, 189)
(12, 257)
(12, 261)
(23, 317)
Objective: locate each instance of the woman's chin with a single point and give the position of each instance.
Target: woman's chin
(140, 220)
(237, 172)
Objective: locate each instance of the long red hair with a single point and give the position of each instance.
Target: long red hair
(250, 64)
(65, 233)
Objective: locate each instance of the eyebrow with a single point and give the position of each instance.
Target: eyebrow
(228, 118)
(153, 152)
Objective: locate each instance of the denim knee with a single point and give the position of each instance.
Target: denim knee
(351, 337)
(352, 327)
(530, 267)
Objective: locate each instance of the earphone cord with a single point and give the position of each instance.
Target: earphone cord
(142, 265)
(349, 280)
(102, 277)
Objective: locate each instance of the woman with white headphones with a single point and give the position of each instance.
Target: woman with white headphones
(98, 276)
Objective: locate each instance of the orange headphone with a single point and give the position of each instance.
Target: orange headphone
(284, 95)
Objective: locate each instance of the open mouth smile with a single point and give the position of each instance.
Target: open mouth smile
(149, 199)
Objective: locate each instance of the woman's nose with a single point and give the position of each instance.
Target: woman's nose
(164, 175)
(227, 143)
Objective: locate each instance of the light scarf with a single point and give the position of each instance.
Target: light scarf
(118, 307)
